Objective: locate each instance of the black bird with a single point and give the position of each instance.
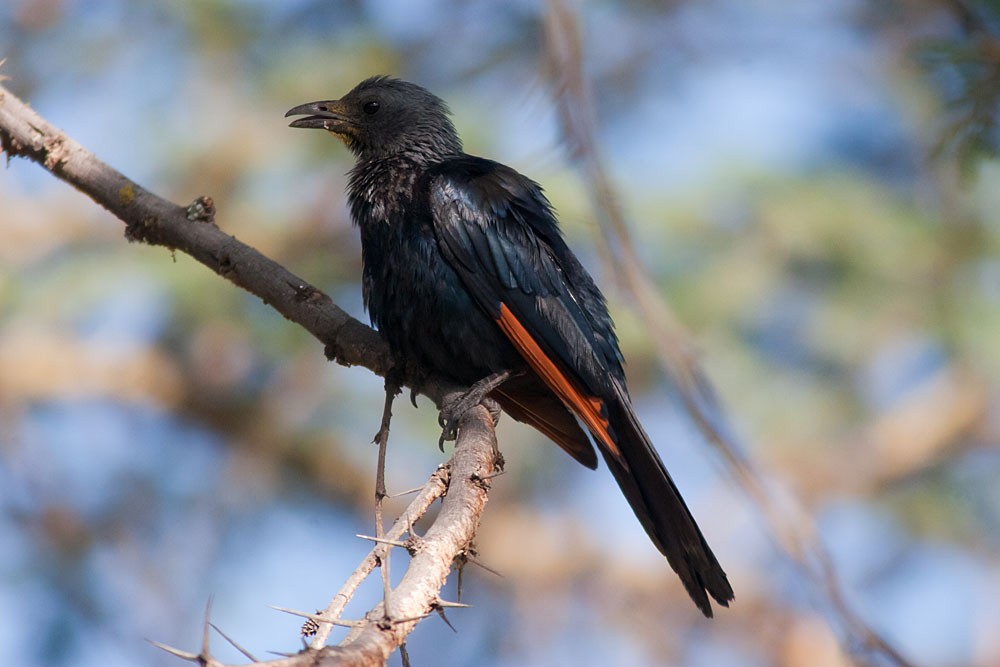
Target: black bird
(466, 275)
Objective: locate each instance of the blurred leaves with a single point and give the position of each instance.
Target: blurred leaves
(966, 70)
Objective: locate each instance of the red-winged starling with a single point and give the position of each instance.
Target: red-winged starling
(466, 275)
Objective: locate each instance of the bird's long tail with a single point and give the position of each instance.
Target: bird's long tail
(635, 464)
(657, 503)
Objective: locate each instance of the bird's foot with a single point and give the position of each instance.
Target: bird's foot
(455, 408)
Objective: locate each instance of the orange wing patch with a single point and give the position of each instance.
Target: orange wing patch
(587, 408)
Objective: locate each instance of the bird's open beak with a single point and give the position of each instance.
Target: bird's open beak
(322, 115)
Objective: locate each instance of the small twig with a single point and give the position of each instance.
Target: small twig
(450, 604)
(434, 489)
(382, 540)
(206, 632)
(406, 493)
(449, 535)
(232, 643)
(204, 657)
(176, 652)
(319, 618)
(465, 558)
(478, 563)
(382, 440)
(440, 610)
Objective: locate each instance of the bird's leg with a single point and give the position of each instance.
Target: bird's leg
(454, 408)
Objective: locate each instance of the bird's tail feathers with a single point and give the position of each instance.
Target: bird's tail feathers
(657, 503)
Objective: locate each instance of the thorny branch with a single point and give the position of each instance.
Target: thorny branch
(151, 219)
(371, 640)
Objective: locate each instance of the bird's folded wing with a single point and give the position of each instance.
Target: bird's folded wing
(497, 231)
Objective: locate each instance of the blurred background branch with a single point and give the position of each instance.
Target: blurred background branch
(792, 527)
(968, 67)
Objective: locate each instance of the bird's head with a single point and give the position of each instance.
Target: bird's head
(383, 117)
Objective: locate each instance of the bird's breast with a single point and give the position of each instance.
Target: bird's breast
(417, 300)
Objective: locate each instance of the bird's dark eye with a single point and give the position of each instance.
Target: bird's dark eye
(371, 107)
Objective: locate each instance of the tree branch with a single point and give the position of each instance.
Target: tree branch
(151, 219)
(464, 483)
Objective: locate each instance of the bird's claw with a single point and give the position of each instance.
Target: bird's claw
(451, 415)
(449, 429)
(453, 410)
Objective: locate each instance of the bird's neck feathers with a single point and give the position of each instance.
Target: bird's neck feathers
(379, 187)
(421, 145)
